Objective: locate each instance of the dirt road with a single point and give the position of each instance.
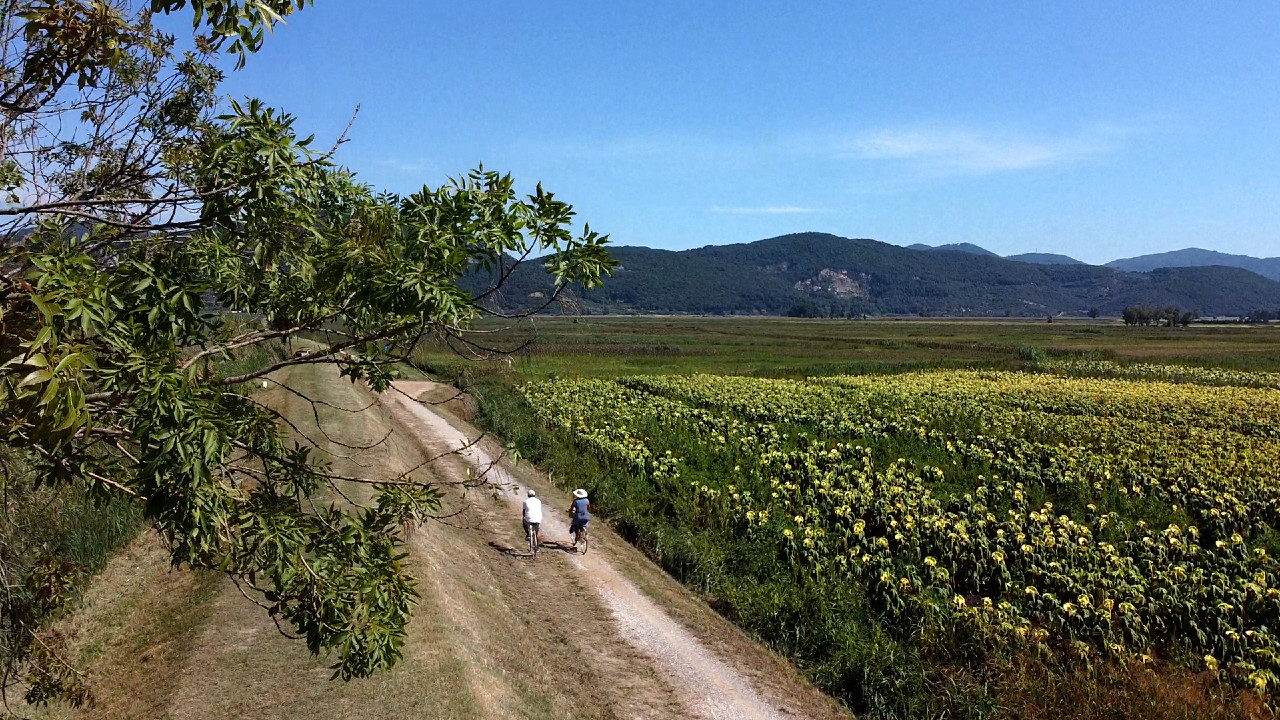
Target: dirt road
(708, 686)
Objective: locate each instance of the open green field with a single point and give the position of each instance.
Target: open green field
(611, 346)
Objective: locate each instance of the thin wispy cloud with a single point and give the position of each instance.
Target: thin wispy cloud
(407, 167)
(929, 150)
(970, 152)
(658, 147)
(764, 210)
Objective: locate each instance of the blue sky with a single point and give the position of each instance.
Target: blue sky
(1095, 129)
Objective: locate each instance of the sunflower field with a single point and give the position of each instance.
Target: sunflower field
(1156, 371)
(1076, 518)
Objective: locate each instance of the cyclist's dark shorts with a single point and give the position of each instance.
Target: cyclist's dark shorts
(577, 524)
(528, 525)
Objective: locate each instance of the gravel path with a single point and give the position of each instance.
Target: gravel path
(710, 687)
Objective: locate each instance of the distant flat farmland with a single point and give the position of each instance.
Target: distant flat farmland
(608, 345)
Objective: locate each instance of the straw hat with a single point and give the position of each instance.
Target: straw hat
(579, 493)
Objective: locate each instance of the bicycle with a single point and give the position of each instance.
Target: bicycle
(580, 541)
(531, 529)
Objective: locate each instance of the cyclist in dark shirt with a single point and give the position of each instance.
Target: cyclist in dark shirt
(580, 512)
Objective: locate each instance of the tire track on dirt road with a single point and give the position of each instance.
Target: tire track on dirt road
(710, 687)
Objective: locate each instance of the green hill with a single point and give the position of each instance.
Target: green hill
(1199, 257)
(953, 247)
(1044, 259)
(821, 274)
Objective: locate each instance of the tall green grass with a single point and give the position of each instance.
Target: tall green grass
(64, 522)
(53, 539)
(252, 358)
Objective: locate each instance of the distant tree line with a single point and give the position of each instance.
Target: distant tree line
(1148, 315)
(828, 309)
(1262, 315)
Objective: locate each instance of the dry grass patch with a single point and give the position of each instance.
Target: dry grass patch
(131, 632)
(247, 669)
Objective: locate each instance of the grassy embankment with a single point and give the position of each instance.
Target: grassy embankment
(53, 539)
(827, 626)
(66, 534)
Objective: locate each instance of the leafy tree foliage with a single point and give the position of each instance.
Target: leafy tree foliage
(144, 221)
(1147, 315)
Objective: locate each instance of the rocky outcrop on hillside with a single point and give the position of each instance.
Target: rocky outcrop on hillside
(838, 283)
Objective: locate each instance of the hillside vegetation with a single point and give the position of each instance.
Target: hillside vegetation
(1199, 257)
(826, 275)
(1044, 259)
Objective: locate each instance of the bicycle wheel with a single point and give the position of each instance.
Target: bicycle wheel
(533, 543)
(580, 542)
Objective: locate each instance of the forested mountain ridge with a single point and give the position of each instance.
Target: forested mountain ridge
(1031, 257)
(1199, 257)
(1045, 259)
(953, 247)
(818, 273)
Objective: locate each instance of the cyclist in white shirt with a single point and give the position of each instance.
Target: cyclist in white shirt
(533, 515)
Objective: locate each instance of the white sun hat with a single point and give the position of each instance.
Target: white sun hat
(579, 493)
